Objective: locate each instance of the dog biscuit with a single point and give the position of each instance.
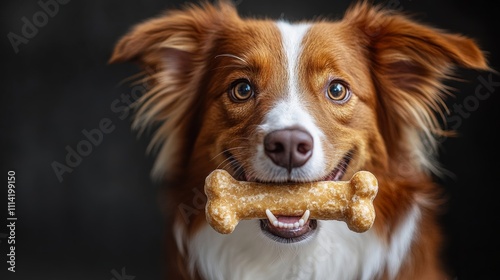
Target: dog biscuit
(229, 200)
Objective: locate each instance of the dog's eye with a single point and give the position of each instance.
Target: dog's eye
(241, 91)
(338, 92)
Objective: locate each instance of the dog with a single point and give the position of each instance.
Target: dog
(273, 101)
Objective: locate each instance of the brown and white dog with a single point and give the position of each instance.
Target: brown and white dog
(275, 101)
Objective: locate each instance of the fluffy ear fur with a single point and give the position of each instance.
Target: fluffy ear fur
(179, 30)
(409, 62)
(173, 50)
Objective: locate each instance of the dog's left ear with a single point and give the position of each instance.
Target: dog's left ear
(409, 62)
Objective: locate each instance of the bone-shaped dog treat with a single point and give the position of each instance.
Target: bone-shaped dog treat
(230, 201)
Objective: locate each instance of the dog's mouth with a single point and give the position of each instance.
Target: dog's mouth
(288, 229)
(291, 229)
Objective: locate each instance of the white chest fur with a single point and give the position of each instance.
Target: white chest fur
(334, 252)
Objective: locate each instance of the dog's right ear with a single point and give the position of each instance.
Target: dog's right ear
(173, 49)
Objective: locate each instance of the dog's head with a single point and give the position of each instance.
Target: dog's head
(274, 101)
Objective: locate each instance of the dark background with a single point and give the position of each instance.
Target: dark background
(102, 221)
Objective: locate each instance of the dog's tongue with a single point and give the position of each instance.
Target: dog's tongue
(288, 219)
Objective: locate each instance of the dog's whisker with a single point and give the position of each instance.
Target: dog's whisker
(239, 171)
(226, 150)
(240, 62)
(226, 162)
(232, 56)
(230, 162)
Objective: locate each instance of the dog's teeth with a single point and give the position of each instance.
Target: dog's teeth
(305, 217)
(274, 221)
(271, 217)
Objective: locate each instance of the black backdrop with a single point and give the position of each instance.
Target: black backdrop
(101, 221)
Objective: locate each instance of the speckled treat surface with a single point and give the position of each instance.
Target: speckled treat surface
(230, 201)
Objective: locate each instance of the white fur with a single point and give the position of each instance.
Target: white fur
(400, 245)
(290, 111)
(334, 252)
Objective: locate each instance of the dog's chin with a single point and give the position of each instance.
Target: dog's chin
(293, 229)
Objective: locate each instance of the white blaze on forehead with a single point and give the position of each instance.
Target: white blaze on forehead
(292, 36)
(291, 111)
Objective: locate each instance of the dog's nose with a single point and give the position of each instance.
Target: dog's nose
(289, 148)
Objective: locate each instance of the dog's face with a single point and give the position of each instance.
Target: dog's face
(347, 93)
(276, 102)
(291, 106)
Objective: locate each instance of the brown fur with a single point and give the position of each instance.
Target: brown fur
(395, 66)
